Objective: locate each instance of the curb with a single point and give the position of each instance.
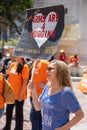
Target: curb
(80, 127)
(76, 78)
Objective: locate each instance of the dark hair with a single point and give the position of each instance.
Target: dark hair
(20, 67)
(75, 56)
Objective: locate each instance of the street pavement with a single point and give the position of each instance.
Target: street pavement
(82, 125)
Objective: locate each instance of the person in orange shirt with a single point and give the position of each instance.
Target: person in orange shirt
(1, 97)
(18, 77)
(74, 62)
(39, 74)
(74, 58)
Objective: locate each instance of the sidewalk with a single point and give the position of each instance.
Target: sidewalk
(27, 123)
(82, 125)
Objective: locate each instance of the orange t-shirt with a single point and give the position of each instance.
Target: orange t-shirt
(1, 89)
(40, 76)
(72, 59)
(16, 79)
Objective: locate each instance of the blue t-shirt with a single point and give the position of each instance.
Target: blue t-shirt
(56, 108)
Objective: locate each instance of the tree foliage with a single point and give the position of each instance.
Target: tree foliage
(12, 10)
(11, 42)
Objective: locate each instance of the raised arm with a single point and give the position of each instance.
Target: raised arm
(36, 100)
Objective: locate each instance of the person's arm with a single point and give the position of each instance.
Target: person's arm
(36, 100)
(31, 85)
(22, 89)
(78, 116)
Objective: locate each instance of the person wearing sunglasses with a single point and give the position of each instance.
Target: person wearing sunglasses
(57, 100)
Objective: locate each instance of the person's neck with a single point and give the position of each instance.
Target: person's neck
(54, 88)
(54, 84)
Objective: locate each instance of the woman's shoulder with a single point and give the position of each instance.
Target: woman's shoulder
(67, 91)
(44, 62)
(26, 66)
(1, 75)
(68, 94)
(13, 63)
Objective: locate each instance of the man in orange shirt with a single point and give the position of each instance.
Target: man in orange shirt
(1, 97)
(74, 58)
(40, 79)
(18, 77)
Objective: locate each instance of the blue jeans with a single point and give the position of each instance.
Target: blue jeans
(1, 112)
(35, 117)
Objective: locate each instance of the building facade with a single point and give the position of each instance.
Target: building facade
(74, 39)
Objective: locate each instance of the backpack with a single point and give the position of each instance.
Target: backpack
(8, 92)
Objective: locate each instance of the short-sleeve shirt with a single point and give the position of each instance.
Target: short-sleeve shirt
(16, 79)
(40, 76)
(73, 59)
(56, 108)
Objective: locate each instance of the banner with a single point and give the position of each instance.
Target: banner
(41, 33)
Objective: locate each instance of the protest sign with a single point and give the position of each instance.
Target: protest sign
(42, 31)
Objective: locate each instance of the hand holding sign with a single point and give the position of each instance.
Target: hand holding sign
(30, 84)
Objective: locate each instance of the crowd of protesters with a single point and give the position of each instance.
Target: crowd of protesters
(49, 81)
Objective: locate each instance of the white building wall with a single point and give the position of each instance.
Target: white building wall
(82, 47)
(77, 13)
(72, 5)
(83, 19)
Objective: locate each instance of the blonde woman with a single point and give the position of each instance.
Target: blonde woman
(57, 100)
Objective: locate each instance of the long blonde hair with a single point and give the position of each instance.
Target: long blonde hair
(63, 74)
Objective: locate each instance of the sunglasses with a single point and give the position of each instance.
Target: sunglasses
(50, 69)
